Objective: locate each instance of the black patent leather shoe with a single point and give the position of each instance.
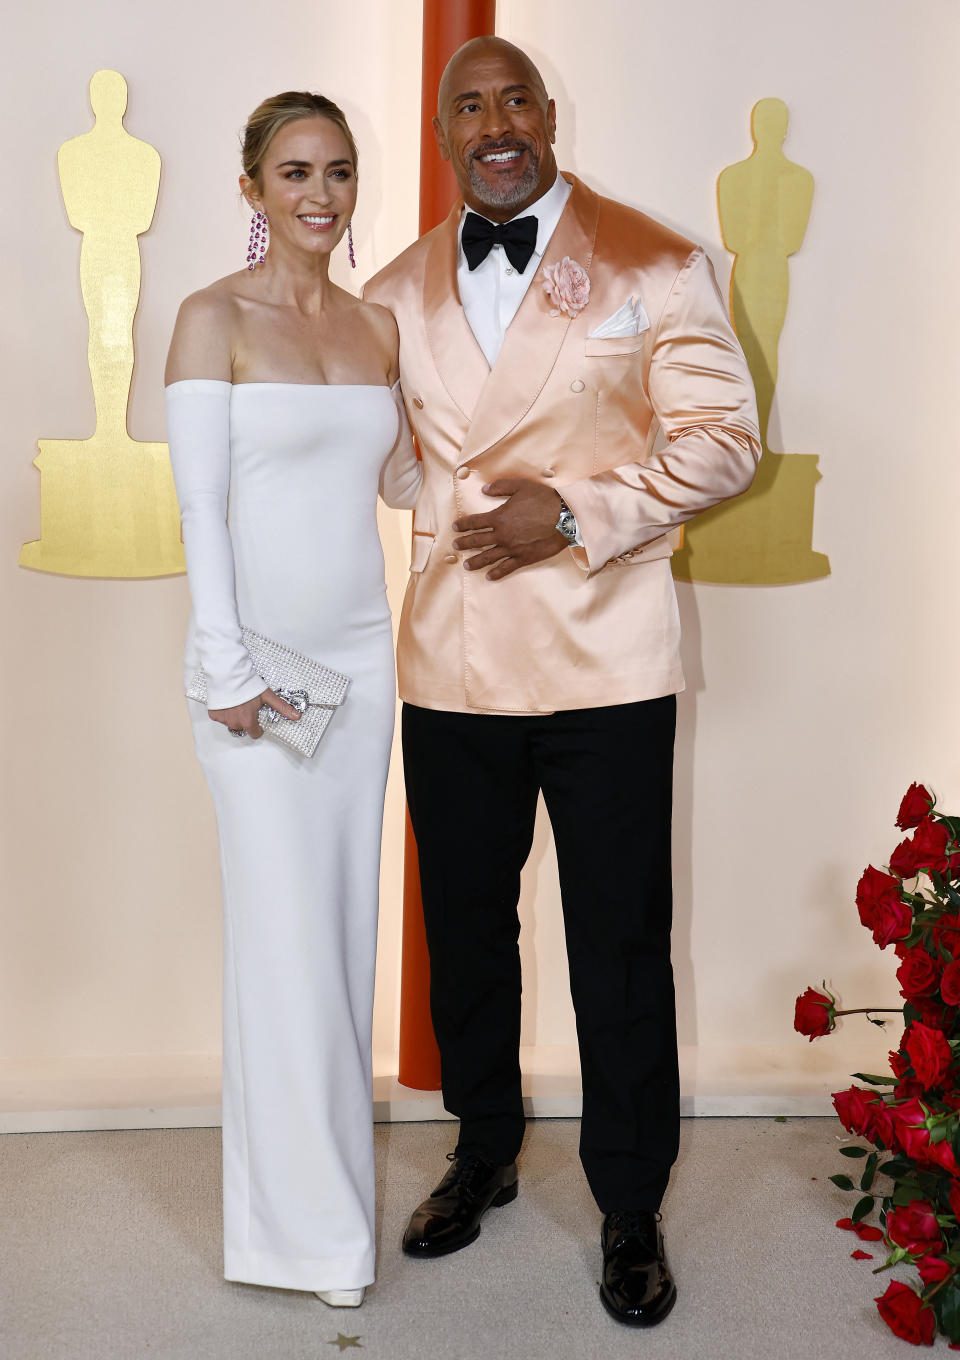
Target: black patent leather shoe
(450, 1218)
(637, 1287)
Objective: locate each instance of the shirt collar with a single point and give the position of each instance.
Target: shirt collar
(547, 209)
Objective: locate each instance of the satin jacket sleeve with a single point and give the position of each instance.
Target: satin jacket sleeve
(198, 429)
(701, 391)
(402, 473)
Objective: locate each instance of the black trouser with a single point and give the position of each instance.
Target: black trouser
(607, 781)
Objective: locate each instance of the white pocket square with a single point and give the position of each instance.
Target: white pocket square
(630, 319)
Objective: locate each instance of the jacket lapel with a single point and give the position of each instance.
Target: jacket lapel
(458, 358)
(534, 337)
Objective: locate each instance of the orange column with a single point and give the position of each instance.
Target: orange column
(446, 25)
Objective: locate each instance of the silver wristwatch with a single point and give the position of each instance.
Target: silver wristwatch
(567, 525)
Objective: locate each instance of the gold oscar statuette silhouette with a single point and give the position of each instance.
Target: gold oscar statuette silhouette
(763, 537)
(108, 506)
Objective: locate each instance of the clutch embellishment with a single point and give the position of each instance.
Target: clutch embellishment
(315, 691)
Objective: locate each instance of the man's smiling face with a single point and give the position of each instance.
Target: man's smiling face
(496, 126)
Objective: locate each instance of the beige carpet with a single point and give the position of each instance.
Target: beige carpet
(110, 1250)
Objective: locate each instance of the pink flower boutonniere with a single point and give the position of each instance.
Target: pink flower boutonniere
(567, 285)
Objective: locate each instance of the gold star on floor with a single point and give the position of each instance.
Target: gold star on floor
(346, 1342)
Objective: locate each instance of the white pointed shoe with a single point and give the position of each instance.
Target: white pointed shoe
(341, 1298)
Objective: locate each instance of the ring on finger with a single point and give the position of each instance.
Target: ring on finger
(236, 731)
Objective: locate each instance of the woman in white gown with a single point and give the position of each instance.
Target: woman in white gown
(284, 421)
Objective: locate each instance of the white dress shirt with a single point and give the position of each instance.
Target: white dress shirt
(492, 293)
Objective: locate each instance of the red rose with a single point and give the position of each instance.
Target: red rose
(814, 1014)
(899, 1063)
(931, 1012)
(929, 1053)
(909, 1122)
(892, 921)
(904, 861)
(866, 1113)
(880, 1126)
(930, 845)
(918, 974)
(853, 1108)
(955, 1199)
(950, 984)
(914, 1228)
(917, 802)
(947, 933)
(908, 1090)
(877, 892)
(907, 1315)
(941, 1155)
(933, 1269)
(913, 1137)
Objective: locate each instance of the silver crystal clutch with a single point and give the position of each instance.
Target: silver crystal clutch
(315, 691)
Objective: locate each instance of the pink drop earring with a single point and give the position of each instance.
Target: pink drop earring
(258, 239)
(350, 254)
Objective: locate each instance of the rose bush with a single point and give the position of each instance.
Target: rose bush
(911, 1116)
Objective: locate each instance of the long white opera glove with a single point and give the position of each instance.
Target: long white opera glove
(198, 430)
(402, 473)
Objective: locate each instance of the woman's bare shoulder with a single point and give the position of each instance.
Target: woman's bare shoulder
(381, 318)
(218, 302)
(385, 334)
(203, 337)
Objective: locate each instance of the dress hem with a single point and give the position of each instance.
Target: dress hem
(282, 1272)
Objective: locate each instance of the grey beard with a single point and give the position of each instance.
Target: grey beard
(509, 196)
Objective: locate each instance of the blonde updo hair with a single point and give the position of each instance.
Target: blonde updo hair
(269, 117)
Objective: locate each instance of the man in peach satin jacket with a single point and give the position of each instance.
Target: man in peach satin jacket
(546, 335)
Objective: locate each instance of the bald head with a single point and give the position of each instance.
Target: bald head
(479, 49)
(496, 126)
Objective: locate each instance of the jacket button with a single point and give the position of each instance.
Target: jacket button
(549, 472)
(577, 385)
(418, 403)
(463, 473)
(450, 557)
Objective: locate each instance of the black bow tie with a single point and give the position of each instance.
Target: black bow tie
(518, 238)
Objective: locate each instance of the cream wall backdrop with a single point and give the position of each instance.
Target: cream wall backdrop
(809, 708)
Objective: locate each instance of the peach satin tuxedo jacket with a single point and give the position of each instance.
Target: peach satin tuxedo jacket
(590, 626)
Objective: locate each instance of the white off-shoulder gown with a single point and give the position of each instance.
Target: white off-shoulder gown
(278, 486)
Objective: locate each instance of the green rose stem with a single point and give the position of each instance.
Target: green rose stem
(937, 1287)
(873, 1010)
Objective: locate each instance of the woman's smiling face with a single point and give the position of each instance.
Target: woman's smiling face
(308, 186)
